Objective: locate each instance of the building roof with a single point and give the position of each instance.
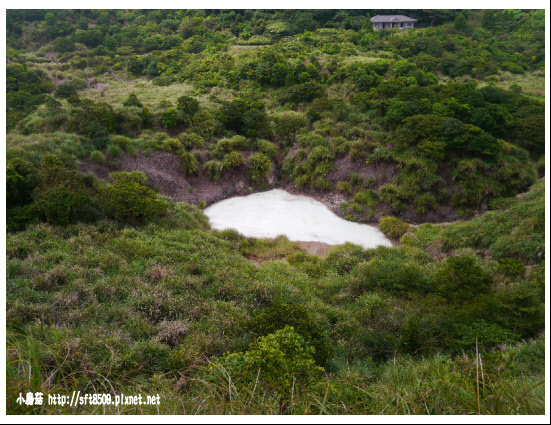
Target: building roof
(392, 18)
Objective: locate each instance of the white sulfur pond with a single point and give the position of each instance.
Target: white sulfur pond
(299, 218)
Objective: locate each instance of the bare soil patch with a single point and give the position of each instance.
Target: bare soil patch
(316, 248)
(165, 176)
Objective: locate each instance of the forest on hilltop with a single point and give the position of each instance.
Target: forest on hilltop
(122, 125)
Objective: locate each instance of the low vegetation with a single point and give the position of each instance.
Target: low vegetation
(109, 305)
(113, 287)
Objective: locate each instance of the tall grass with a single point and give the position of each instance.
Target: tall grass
(112, 308)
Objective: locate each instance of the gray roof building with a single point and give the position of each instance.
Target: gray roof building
(392, 21)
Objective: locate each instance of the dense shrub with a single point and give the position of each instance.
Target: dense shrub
(461, 279)
(61, 206)
(233, 160)
(281, 315)
(62, 195)
(92, 119)
(305, 92)
(132, 100)
(267, 148)
(393, 227)
(281, 361)
(126, 199)
(246, 116)
(21, 179)
(97, 157)
(188, 105)
(65, 91)
(170, 118)
(286, 125)
(260, 167)
(214, 169)
(391, 275)
(189, 163)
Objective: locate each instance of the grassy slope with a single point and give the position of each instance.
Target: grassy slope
(103, 305)
(113, 308)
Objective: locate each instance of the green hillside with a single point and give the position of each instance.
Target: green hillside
(116, 283)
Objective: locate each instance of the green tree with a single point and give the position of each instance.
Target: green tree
(305, 92)
(170, 118)
(367, 25)
(286, 125)
(65, 90)
(21, 179)
(488, 19)
(132, 100)
(245, 116)
(188, 105)
(91, 38)
(460, 23)
(92, 119)
(188, 163)
(61, 196)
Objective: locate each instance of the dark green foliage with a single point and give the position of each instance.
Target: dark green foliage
(281, 315)
(65, 91)
(246, 116)
(283, 362)
(91, 38)
(61, 206)
(486, 334)
(461, 279)
(73, 100)
(305, 92)
(286, 126)
(189, 163)
(488, 19)
(519, 308)
(61, 196)
(25, 90)
(460, 23)
(92, 119)
(21, 179)
(132, 100)
(267, 148)
(194, 45)
(170, 118)
(233, 160)
(53, 104)
(214, 170)
(136, 65)
(127, 199)
(188, 105)
(390, 275)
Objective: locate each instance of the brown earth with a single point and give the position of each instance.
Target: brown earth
(165, 176)
(383, 173)
(317, 248)
(94, 84)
